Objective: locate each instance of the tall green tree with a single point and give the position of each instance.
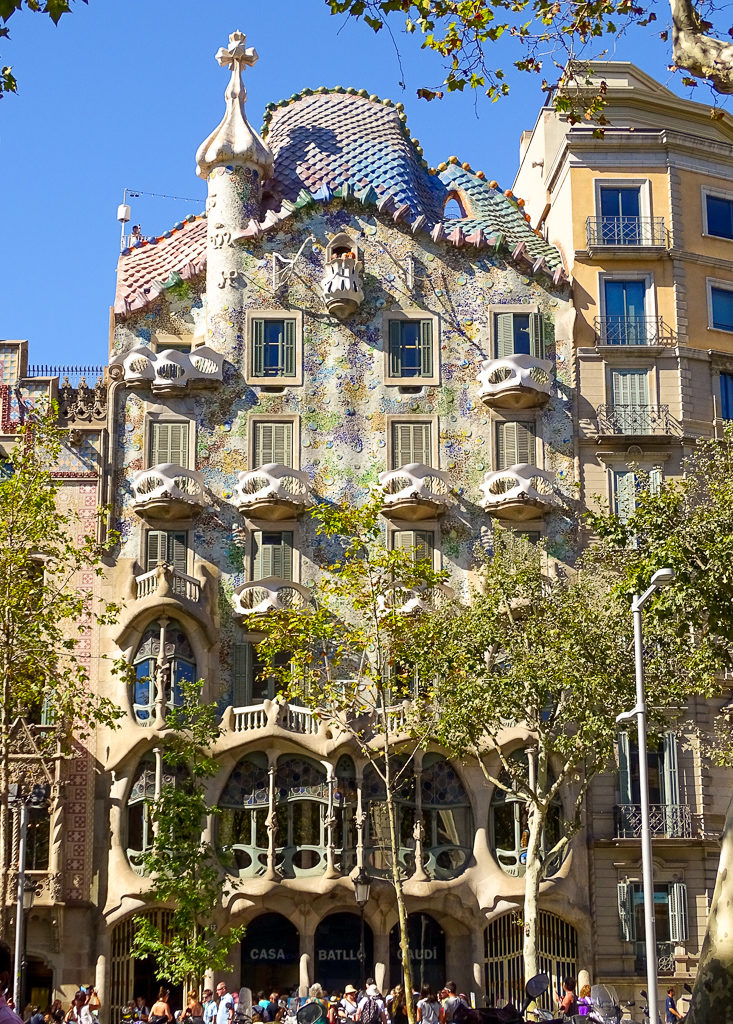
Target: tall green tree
(44, 549)
(550, 657)
(183, 867)
(688, 526)
(348, 656)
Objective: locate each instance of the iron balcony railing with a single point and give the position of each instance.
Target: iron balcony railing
(72, 373)
(632, 330)
(626, 231)
(633, 419)
(665, 958)
(666, 821)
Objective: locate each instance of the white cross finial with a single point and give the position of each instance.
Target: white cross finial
(238, 53)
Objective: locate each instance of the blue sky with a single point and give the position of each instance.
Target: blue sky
(122, 92)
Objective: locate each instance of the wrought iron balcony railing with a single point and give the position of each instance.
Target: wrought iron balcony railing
(633, 419)
(632, 330)
(665, 958)
(626, 231)
(670, 821)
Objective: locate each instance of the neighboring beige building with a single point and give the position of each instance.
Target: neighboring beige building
(644, 220)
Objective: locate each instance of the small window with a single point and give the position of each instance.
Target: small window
(515, 444)
(721, 303)
(412, 442)
(166, 546)
(169, 443)
(272, 554)
(250, 684)
(275, 348)
(419, 544)
(272, 442)
(726, 396)
(518, 334)
(719, 216)
(411, 350)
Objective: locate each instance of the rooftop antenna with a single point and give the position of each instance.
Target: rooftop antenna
(123, 216)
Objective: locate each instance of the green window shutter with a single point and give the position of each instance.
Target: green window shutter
(625, 484)
(624, 774)
(655, 480)
(412, 442)
(426, 348)
(169, 443)
(263, 444)
(258, 348)
(630, 387)
(504, 330)
(626, 911)
(525, 443)
(156, 548)
(395, 348)
(273, 555)
(242, 675)
(670, 770)
(678, 912)
(418, 543)
(288, 360)
(515, 444)
(257, 566)
(286, 556)
(177, 554)
(536, 339)
(155, 442)
(273, 442)
(179, 444)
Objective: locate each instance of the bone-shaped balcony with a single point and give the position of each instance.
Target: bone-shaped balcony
(168, 491)
(519, 493)
(273, 491)
(342, 284)
(269, 595)
(415, 492)
(404, 600)
(170, 371)
(515, 381)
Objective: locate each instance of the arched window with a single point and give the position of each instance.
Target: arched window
(177, 667)
(509, 827)
(376, 839)
(447, 819)
(344, 806)
(454, 207)
(301, 792)
(140, 806)
(242, 822)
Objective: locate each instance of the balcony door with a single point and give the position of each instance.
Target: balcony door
(666, 817)
(630, 390)
(620, 211)
(625, 312)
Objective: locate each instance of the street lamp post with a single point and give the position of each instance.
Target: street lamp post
(661, 578)
(362, 891)
(36, 800)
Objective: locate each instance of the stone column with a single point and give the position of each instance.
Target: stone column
(381, 957)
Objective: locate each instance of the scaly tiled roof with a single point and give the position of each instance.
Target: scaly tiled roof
(346, 144)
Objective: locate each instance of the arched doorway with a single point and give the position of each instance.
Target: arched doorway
(427, 952)
(337, 943)
(557, 948)
(130, 977)
(270, 954)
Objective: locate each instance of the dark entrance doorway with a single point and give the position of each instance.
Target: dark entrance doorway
(337, 941)
(270, 953)
(427, 952)
(38, 983)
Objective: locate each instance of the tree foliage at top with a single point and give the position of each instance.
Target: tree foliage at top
(54, 9)
(183, 867)
(555, 39)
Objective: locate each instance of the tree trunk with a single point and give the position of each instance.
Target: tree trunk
(4, 813)
(712, 996)
(399, 895)
(701, 55)
(532, 879)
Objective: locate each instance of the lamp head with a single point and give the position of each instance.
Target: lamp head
(663, 577)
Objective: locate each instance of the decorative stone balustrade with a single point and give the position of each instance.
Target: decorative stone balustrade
(343, 284)
(415, 491)
(167, 581)
(269, 595)
(290, 717)
(273, 491)
(168, 491)
(515, 381)
(169, 371)
(413, 600)
(519, 493)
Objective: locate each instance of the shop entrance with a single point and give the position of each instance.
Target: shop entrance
(270, 953)
(38, 984)
(427, 952)
(337, 942)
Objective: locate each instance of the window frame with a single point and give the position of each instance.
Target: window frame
(650, 297)
(410, 314)
(162, 418)
(254, 418)
(296, 380)
(727, 286)
(724, 373)
(645, 193)
(716, 193)
(267, 526)
(525, 308)
(531, 425)
(394, 418)
(430, 526)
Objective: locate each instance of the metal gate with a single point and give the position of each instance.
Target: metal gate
(557, 953)
(122, 966)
